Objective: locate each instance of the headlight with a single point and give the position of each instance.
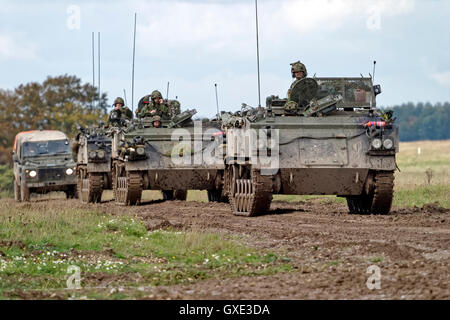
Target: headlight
(33, 173)
(140, 151)
(101, 154)
(69, 171)
(92, 154)
(376, 143)
(388, 144)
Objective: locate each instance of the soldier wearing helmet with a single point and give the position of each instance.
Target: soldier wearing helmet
(298, 71)
(120, 112)
(153, 105)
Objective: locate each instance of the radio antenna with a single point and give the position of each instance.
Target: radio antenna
(93, 61)
(132, 72)
(217, 102)
(167, 94)
(373, 78)
(257, 54)
(99, 92)
(125, 96)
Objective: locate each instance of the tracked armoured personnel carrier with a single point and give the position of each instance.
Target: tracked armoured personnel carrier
(168, 155)
(327, 139)
(43, 163)
(93, 149)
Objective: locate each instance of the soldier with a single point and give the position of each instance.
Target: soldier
(156, 107)
(120, 111)
(298, 71)
(141, 104)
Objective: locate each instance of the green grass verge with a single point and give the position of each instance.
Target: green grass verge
(422, 195)
(37, 246)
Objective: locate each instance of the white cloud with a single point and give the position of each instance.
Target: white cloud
(442, 78)
(228, 28)
(16, 48)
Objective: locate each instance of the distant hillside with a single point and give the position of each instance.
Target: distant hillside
(423, 121)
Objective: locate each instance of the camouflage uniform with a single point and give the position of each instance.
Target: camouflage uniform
(153, 108)
(292, 106)
(122, 113)
(297, 67)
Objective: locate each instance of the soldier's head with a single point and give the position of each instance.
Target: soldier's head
(156, 121)
(118, 103)
(298, 70)
(156, 97)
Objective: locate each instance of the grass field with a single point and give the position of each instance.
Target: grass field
(39, 242)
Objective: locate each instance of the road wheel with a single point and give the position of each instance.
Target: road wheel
(378, 200)
(16, 191)
(24, 192)
(167, 194)
(180, 195)
(250, 193)
(71, 192)
(215, 195)
(129, 187)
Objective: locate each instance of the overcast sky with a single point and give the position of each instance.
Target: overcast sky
(194, 44)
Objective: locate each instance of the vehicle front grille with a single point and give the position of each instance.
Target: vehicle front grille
(51, 174)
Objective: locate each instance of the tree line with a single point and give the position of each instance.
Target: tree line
(58, 103)
(423, 121)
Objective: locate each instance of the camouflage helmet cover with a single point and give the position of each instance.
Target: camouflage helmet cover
(119, 100)
(156, 95)
(297, 67)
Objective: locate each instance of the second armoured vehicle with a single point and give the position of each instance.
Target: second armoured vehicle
(93, 148)
(43, 163)
(328, 139)
(168, 155)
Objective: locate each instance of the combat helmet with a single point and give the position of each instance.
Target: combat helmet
(119, 100)
(156, 95)
(297, 67)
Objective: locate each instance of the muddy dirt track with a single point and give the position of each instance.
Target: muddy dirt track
(330, 249)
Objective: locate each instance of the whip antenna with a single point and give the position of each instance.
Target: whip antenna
(93, 61)
(257, 54)
(125, 96)
(373, 78)
(99, 92)
(132, 72)
(217, 101)
(167, 92)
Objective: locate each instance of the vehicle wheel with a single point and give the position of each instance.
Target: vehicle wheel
(129, 187)
(16, 191)
(215, 195)
(24, 192)
(167, 194)
(250, 193)
(71, 192)
(379, 199)
(180, 195)
(92, 188)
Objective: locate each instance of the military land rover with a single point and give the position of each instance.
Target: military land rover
(43, 163)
